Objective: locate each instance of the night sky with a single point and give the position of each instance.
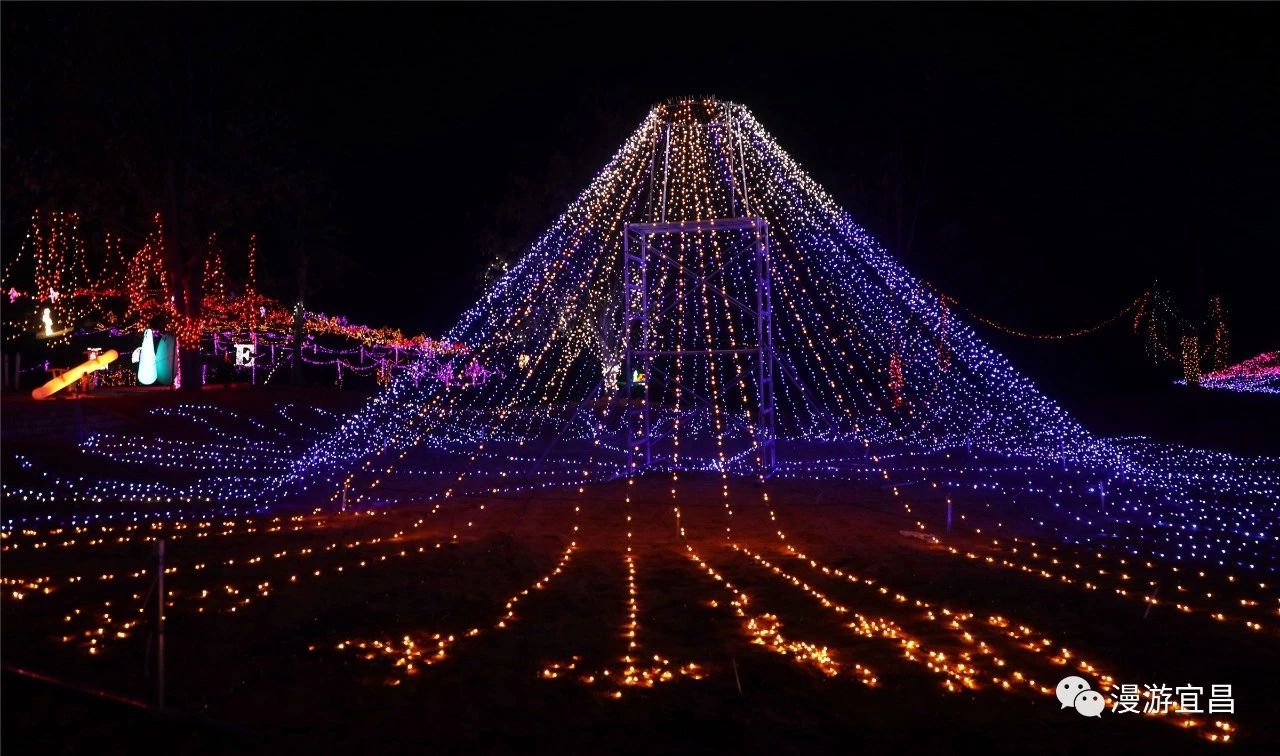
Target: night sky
(1055, 159)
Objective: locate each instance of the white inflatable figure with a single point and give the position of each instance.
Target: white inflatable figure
(147, 359)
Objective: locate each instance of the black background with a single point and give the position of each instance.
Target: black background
(1061, 157)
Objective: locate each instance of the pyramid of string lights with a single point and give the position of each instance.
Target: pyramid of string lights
(704, 305)
(703, 310)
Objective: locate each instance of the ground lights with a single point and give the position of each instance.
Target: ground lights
(878, 382)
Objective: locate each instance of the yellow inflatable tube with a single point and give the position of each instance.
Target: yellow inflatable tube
(74, 374)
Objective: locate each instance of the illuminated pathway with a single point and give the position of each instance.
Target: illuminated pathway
(781, 586)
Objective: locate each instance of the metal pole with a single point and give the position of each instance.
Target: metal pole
(646, 332)
(160, 626)
(626, 343)
(653, 162)
(666, 171)
(742, 166)
(767, 407)
(725, 147)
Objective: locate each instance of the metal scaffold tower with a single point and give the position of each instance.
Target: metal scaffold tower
(641, 317)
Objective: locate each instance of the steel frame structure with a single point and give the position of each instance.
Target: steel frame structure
(638, 317)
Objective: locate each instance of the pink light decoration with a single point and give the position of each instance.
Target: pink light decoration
(1259, 374)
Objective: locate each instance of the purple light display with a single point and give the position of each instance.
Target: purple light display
(871, 379)
(872, 374)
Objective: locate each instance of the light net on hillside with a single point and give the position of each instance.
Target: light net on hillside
(864, 358)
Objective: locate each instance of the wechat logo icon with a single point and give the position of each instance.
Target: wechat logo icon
(1074, 692)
